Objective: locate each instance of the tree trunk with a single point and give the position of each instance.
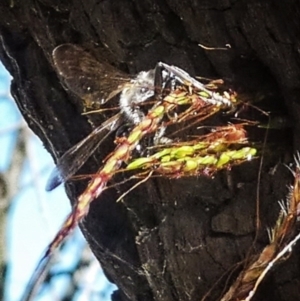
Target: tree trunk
(171, 239)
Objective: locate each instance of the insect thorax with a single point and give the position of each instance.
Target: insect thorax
(137, 91)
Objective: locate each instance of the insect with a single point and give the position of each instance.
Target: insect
(98, 82)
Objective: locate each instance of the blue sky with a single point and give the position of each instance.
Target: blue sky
(35, 216)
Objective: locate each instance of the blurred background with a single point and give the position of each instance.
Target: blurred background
(30, 217)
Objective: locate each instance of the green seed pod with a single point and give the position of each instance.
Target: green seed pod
(182, 151)
(241, 153)
(207, 160)
(204, 94)
(182, 99)
(218, 147)
(134, 136)
(244, 153)
(158, 111)
(166, 159)
(162, 153)
(224, 159)
(229, 153)
(139, 163)
(200, 145)
(190, 165)
(253, 152)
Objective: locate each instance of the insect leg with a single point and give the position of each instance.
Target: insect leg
(185, 79)
(163, 79)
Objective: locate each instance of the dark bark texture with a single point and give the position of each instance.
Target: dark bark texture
(170, 239)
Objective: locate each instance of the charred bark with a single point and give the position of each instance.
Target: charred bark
(170, 239)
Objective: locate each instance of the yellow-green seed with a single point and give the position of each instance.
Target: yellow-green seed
(185, 99)
(182, 151)
(218, 147)
(190, 165)
(200, 145)
(165, 159)
(252, 152)
(207, 160)
(139, 163)
(240, 154)
(162, 153)
(158, 111)
(134, 136)
(204, 94)
(224, 159)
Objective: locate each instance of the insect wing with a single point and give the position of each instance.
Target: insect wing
(37, 279)
(85, 76)
(76, 156)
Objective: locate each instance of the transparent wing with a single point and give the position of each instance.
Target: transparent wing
(76, 156)
(90, 79)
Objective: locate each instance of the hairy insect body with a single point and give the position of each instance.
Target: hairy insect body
(136, 92)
